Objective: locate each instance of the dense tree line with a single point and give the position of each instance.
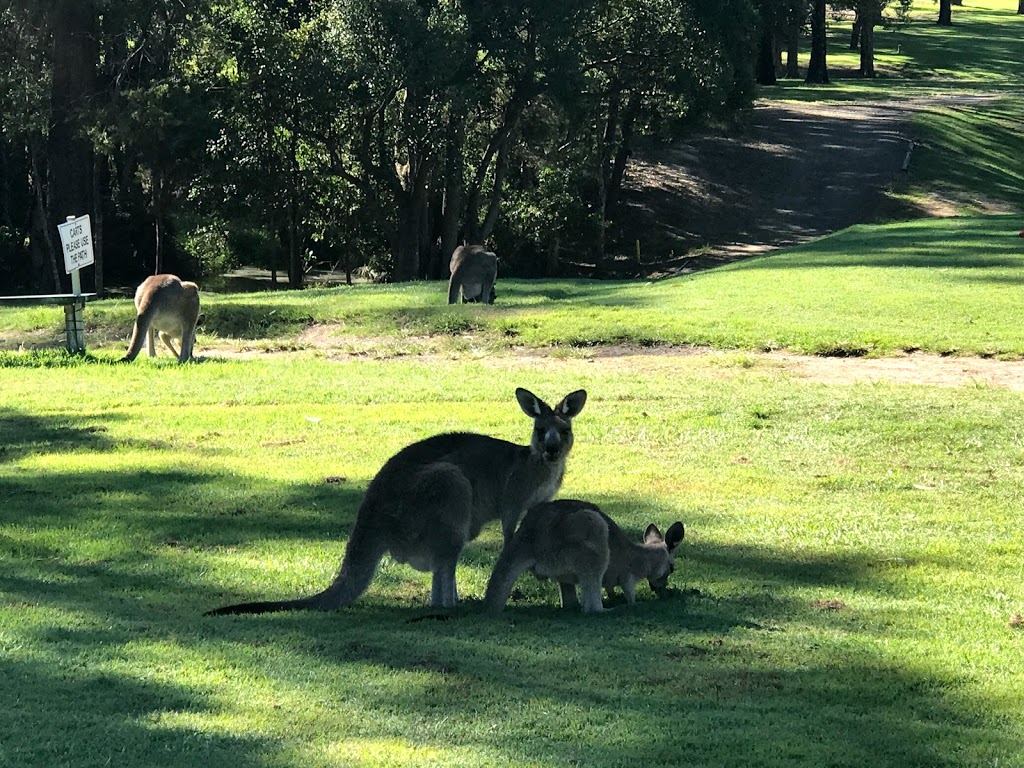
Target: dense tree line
(356, 133)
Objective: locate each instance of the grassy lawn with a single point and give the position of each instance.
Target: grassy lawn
(845, 595)
(949, 286)
(850, 591)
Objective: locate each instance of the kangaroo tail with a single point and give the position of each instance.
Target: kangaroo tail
(454, 285)
(358, 567)
(139, 332)
(510, 565)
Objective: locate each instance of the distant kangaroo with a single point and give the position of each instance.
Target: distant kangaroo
(473, 272)
(167, 306)
(433, 496)
(574, 542)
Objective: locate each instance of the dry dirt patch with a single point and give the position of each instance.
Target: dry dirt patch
(918, 368)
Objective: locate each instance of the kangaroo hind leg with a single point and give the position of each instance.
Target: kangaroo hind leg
(168, 341)
(569, 599)
(590, 588)
(443, 592)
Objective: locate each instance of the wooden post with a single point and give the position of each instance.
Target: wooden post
(74, 314)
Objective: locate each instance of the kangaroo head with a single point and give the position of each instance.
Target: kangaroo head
(664, 547)
(552, 427)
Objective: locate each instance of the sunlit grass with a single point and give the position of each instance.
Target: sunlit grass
(948, 286)
(853, 562)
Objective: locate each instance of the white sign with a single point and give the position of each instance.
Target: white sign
(76, 239)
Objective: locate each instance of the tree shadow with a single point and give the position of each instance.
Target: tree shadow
(22, 433)
(69, 713)
(741, 672)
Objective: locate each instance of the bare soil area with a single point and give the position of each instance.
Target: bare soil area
(792, 173)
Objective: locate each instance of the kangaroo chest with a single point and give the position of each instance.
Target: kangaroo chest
(546, 487)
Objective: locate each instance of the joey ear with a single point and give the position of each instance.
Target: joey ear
(532, 405)
(572, 404)
(674, 535)
(652, 535)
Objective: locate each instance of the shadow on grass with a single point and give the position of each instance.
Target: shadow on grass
(21, 433)
(750, 676)
(66, 713)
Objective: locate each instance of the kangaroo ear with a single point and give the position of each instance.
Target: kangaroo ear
(572, 404)
(532, 405)
(674, 535)
(652, 535)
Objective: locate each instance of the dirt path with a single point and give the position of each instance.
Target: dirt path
(796, 171)
(917, 368)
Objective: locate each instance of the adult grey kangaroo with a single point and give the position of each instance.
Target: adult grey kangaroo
(168, 306)
(473, 272)
(435, 495)
(574, 542)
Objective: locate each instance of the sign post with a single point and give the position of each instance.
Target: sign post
(76, 242)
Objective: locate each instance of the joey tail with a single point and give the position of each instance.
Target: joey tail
(357, 570)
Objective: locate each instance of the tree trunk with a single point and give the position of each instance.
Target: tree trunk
(412, 202)
(765, 70)
(793, 52)
(817, 69)
(97, 224)
(1020, 7)
(295, 270)
(69, 152)
(45, 224)
(520, 99)
(451, 214)
(855, 33)
(497, 190)
(945, 13)
(553, 266)
(158, 223)
(622, 154)
(867, 48)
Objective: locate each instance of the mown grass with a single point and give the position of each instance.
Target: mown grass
(980, 52)
(945, 286)
(849, 593)
(845, 595)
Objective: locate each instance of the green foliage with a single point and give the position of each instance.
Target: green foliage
(207, 249)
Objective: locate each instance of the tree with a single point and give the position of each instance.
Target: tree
(945, 13)
(646, 69)
(778, 20)
(869, 15)
(817, 68)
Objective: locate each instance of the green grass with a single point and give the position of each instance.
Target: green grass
(846, 595)
(137, 497)
(982, 51)
(946, 286)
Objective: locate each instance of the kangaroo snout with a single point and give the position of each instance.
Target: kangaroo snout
(553, 441)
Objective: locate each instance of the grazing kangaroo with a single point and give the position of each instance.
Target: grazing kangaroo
(167, 306)
(433, 496)
(574, 542)
(474, 271)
